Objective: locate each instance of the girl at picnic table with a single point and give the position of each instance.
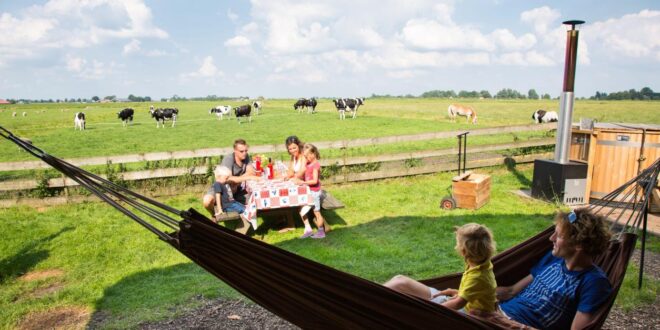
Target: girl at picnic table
(312, 179)
(476, 293)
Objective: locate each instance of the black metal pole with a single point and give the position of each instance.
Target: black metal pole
(460, 136)
(641, 257)
(465, 151)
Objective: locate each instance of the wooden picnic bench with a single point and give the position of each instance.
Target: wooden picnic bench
(328, 202)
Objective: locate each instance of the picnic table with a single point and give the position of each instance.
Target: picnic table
(278, 197)
(275, 194)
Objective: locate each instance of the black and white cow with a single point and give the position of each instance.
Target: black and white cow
(311, 103)
(542, 116)
(340, 104)
(243, 111)
(161, 115)
(353, 105)
(126, 116)
(79, 121)
(221, 110)
(299, 105)
(257, 106)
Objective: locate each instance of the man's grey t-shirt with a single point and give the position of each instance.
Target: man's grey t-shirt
(230, 162)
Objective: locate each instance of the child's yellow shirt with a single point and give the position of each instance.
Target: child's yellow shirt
(478, 287)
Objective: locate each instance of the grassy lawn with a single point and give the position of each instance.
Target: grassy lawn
(112, 266)
(50, 126)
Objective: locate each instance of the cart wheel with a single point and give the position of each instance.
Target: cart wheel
(448, 203)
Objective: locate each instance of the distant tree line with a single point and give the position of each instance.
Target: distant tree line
(506, 93)
(645, 93)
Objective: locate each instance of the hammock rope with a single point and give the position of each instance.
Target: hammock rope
(299, 290)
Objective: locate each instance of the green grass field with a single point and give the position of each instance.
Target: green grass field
(112, 266)
(50, 126)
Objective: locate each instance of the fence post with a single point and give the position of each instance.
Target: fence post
(344, 169)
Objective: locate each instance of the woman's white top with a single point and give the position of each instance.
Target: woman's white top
(297, 164)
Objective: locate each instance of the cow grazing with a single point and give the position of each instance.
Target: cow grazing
(24, 113)
(221, 110)
(79, 121)
(126, 116)
(311, 103)
(542, 116)
(456, 109)
(353, 105)
(299, 105)
(13, 114)
(161, 115)
(243, 111)
(257, 106)
(340, 104)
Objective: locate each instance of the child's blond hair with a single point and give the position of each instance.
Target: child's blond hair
(308, 147)
(475, 243)
(222, 171)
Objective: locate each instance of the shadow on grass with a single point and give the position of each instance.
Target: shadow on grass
(30, 255)
(511, 167)
(375, 250)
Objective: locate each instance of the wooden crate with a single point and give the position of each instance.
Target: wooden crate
(471, 191)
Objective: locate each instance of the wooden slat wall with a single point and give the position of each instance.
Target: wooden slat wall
(615, 162)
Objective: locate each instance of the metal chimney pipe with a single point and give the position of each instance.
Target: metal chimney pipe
(567, 97)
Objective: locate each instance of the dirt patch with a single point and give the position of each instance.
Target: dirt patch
(223, 314)
(41, 275)
(40, 292)
(57, 318)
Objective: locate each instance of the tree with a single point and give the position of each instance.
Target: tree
(532, 95)
(95, 98)
(485, 94)
(546, 96)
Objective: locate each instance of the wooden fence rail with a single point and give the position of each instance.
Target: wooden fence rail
(215, 152)
(434, 166)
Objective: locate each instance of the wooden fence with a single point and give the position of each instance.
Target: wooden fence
(428, 161)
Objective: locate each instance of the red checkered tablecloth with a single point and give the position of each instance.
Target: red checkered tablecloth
(275, 194)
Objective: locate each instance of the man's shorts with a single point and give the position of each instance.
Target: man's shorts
(234, 206)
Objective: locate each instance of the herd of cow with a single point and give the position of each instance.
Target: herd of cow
(342, 105)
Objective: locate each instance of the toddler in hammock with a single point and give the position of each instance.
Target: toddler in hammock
(476, 293)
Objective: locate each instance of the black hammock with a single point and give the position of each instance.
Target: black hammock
(286, 284)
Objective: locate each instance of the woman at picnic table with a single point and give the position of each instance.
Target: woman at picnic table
(298, 163)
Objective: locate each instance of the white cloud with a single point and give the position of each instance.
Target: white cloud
(75, 64)
(540, 18)
(232, 16)
(431, 34)
(633, 35)
(531, 58)
(206, 70)
(505, 40)
(237, 41)
(62, 24)
(93, 70)
(132, 47)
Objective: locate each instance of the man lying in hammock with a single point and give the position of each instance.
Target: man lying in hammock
(565, 288)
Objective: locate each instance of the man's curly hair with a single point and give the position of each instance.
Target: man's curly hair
(588, 230)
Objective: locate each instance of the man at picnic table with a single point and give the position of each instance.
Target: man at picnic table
(242, 170)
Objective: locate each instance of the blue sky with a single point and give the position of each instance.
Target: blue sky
(289, 49)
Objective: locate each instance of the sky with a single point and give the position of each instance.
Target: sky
(334, 48)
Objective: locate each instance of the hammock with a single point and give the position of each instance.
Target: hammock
(285, 283)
